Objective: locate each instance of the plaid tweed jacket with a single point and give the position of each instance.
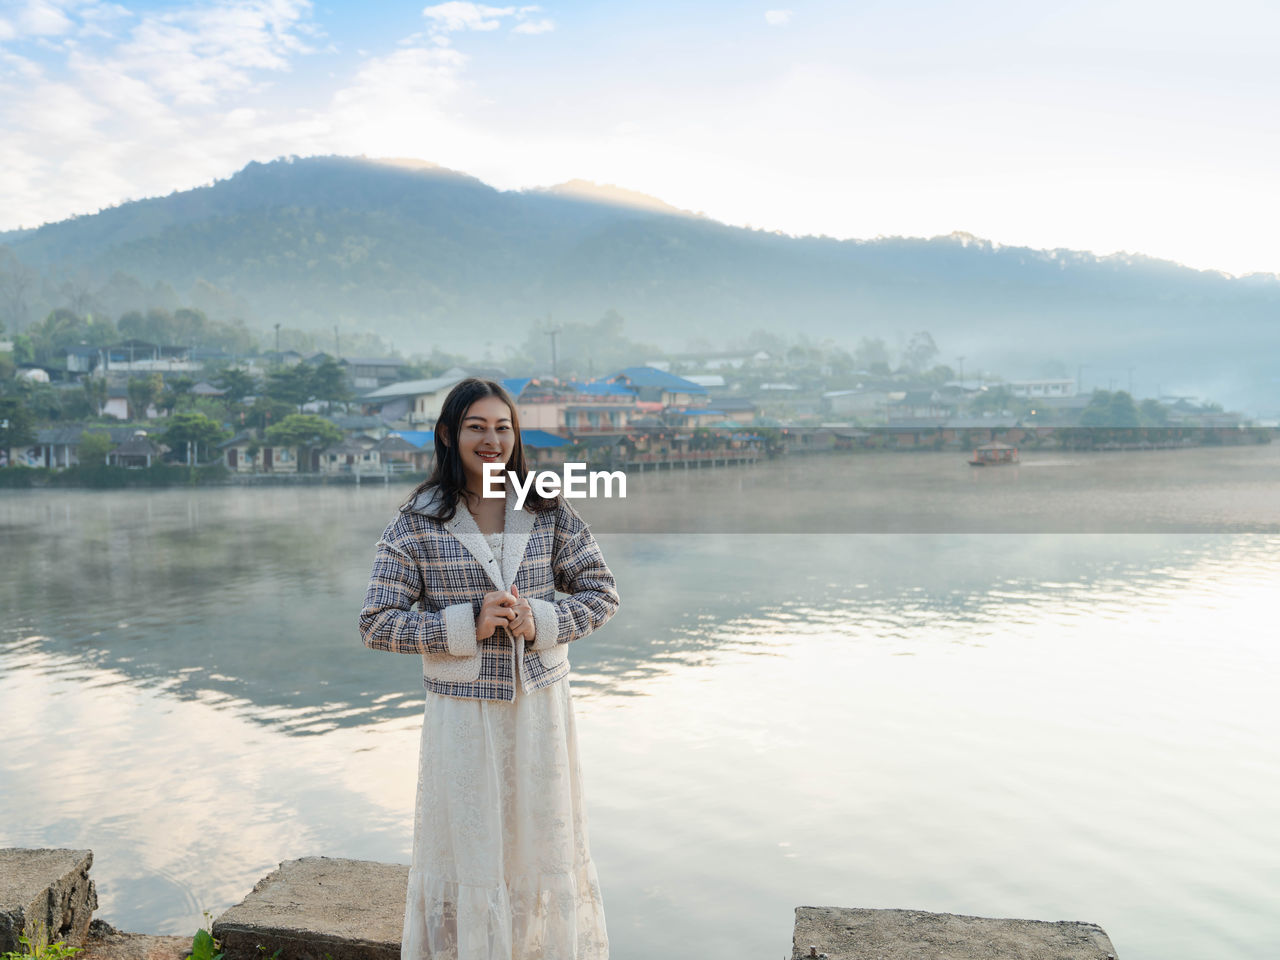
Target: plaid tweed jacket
(447, 568)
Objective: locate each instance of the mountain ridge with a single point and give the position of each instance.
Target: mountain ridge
(429, 256)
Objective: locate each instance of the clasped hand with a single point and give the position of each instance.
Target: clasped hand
(503, 608)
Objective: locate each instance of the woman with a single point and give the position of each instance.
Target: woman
(501, 865)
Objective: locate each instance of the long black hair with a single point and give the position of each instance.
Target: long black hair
(448, 478)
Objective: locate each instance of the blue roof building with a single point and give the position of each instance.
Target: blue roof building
(653, 377)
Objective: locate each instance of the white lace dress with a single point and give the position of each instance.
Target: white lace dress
(501, 867)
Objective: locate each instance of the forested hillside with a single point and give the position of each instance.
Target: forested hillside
(429, 257)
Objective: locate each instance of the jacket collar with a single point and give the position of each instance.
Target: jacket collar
(517, 526)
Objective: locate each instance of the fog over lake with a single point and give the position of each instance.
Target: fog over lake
(878, 681)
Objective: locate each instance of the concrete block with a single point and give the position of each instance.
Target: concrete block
(846, 933)
(45, 894)
(317, 908)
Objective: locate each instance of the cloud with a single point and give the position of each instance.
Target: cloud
(146, 113)
(43, 19)
(777, 18)
(97, 17)
(200, 54)
(401, 88)
(460, 15)
(534, 26)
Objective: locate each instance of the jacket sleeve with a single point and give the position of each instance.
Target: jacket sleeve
(580, 571)
(389, 622)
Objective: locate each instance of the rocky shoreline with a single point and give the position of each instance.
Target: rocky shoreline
(322, 908)
(105, 942)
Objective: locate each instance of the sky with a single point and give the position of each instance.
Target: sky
(1100, 125)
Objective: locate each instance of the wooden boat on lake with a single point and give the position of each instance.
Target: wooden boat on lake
(993, 454)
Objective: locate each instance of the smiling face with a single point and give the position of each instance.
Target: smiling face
(485, 436)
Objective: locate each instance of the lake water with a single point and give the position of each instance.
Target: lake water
(1042, 723)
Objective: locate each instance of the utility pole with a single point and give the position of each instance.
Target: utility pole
(277, 338)
(552, 333)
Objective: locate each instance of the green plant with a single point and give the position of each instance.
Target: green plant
(204, 947)
(263, 955)
(40, 949)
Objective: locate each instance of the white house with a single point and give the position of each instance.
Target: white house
(1042, 388)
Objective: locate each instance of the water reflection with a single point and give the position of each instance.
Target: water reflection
(1052, 726)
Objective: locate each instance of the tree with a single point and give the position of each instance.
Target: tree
(64, 328)
(266, 412)
(920, 352)
(176, 390)
(95, 393)
(772, 344)
(193, 431)
(17, 282)
(133, 326)
(143, 392)
(328, 382)
(838, 359)
(238, 384)
(16, 424)
(870, 354)
(94, 447)
(1107, 409)
(189, 326)
(584, 349)
(290, 384)
(304, 431)
(996, 400)
(939, 375)
(42, 400)
(1153, 413)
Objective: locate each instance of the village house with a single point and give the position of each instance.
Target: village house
(410, 401)
(740, 410)
(370, 373)
(117, 404)
(692, 417)
(656, 386)
(714, 360)
(1060, 411)
(351, 455)
(372, 426)
(136, 452)
(864, 405)
(917, 405)
(277, 358)
(543, 449)
(1034, 389)
(566, 408)
(245, 453)
(55, 448)
(140, 356)
(83, 359)
(397, 454)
